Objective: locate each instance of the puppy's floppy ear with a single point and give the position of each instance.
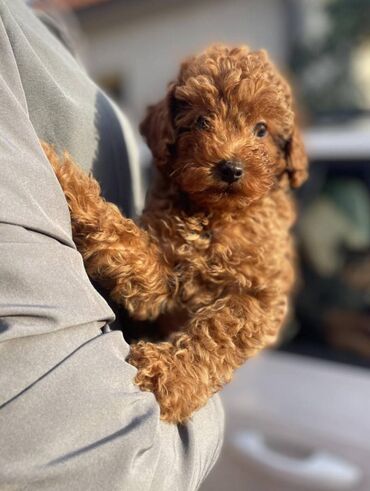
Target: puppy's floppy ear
(158, 127)
(296, 159)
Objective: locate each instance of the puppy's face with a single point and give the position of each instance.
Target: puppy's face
(229, 129)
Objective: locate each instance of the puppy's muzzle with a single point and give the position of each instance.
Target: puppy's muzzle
(229, 170)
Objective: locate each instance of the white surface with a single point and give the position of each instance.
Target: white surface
(304, 406)
(317, 396)
(318, 469)
(339, 143)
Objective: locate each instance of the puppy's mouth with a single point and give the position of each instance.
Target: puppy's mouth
(226, 190)
(230, 188)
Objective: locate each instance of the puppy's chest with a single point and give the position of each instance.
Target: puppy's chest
(206, 252)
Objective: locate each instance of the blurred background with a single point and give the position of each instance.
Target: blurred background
(298, 416)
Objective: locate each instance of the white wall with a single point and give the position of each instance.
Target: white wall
(147, 49)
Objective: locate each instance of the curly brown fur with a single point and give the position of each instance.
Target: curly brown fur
(217, 254)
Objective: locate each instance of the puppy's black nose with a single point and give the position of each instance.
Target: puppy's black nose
(230, 170)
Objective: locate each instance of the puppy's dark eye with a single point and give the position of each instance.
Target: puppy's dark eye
(202, 123)
(260, 130)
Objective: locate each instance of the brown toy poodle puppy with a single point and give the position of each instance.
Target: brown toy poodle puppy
(212, 248)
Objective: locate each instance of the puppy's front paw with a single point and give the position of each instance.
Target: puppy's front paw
(171, 375)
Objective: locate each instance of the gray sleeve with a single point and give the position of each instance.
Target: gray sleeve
(70, 416)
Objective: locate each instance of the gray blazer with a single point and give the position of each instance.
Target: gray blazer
(71, 417)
